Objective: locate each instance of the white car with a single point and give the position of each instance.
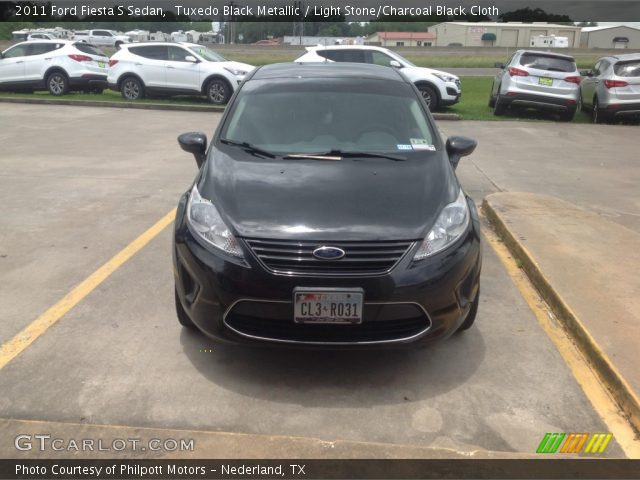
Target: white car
(174, 69)
(102, 38)
(55, 65)
(40, 36)
(438, 88)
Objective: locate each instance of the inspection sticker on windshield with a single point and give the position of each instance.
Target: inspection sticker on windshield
(404, 147)
(421, 144)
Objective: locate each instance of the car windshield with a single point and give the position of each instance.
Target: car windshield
(208, 55)
(547, 62)
(627, 69)
(323, 115)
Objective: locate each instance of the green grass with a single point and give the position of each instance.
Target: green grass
(474, 105)
(108, 96)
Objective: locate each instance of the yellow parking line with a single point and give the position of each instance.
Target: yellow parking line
(597, 394)
(12, 348)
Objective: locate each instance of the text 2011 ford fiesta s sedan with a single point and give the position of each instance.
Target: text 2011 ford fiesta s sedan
(326, 212)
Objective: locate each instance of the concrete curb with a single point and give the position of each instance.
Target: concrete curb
(608, 374)
(153, 106)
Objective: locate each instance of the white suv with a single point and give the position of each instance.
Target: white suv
(55, 65)
(174, 69)
(438, 88)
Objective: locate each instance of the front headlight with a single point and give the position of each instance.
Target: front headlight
(445, 78)
(450, 225)
(205, 221)
(236, 72)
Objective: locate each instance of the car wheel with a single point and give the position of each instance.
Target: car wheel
(429, 96)
(498, 106)
(132, 88)
(597, 115)
(580, 107)
(218, 92)
(183, 318)
(568, 115)
(471, 316)
(57, 84)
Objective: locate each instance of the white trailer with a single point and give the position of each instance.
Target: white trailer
(549, 41)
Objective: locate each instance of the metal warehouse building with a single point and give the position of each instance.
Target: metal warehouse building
(491, 34)
(610, 37)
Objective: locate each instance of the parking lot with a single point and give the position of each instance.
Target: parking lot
(78, 185)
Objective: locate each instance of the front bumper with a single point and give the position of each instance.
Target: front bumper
(414, 303)
(451, 95)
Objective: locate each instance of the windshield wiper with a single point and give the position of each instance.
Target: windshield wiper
(339, 155)
(247, 147)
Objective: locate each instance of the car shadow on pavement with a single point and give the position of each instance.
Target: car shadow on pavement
(349, 378)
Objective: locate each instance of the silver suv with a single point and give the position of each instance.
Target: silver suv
(533, 79)
(611, 90)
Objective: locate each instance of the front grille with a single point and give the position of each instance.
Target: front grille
(288, 331)
(281, 256)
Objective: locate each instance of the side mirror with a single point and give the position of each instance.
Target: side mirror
(586, 73)
(499, 65)
(195, 143)
(395, 64)
(458, 147)
(191, 58)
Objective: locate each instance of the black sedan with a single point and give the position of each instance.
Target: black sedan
(326, 212)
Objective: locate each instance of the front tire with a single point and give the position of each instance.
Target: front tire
(183, 318)
(57, 84)
(218, 91)
(471, 316)
(430, 97)
(132, 89)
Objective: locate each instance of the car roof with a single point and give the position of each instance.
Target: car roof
(55, 40)
(342, 47)
(147, 44)
(324, 70)
(626, 57)
(548, 54)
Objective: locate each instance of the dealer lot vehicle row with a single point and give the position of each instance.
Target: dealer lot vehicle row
(119, 357)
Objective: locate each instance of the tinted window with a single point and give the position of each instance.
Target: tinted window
(17, 51)
(102, 33)
(547, 62)
(177, 54)
(41, 48)
(627, 69)
(154, 52)
(354, 56)
(380, 58)
(88, 48)
(318, 115)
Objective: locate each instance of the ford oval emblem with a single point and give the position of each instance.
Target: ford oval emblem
(329, 253)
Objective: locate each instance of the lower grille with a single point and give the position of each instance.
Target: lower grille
(273, 321)
(361, 258)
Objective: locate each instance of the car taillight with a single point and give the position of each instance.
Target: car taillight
(112, 62)
(615, 83)
(516, 72)
(80, 58)
(575, 80)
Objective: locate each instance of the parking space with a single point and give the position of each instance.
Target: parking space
(74, 196)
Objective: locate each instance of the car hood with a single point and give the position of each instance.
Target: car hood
(417, 71)
(236, 65)
(369, 199)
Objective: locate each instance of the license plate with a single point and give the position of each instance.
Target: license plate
(102, 64)
(545, 81)
(333, 306)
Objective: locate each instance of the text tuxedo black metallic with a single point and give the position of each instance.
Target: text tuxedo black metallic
(327, 212)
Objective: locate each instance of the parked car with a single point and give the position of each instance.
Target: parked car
(55, 65)
(174, 69)
(102, 38)
(533, 79)
(41, 36)
(611, 90)
(438, 88)
(326, 211)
